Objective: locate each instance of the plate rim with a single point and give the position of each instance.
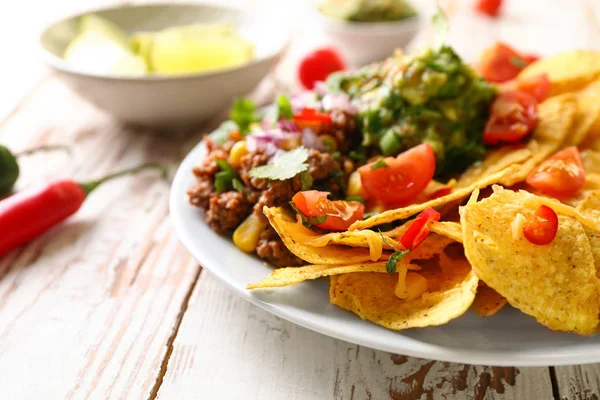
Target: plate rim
(437, 352)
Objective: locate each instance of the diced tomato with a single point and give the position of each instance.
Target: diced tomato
(563, 174)
(541, 229)
(530, 58)
(513, 116)
(440, 193)
(318, 65)
(419, 230)
(310, 118)
(489, 7)
(400, 179)
(501, 63)
(340, 213)
(537, 86)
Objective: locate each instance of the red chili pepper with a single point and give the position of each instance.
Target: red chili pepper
(440, 193)
(31, 212)
(310, 118)
(418, 231)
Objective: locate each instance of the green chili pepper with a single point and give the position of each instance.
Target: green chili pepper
(9, 168)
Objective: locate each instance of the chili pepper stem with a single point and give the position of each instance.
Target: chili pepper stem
(50, 147)
(88, 187)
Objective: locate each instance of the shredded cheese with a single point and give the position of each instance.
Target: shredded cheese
(517, 226)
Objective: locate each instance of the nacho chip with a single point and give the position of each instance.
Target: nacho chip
(592, 142)
(371, 296)
(590, 207)
(587, 115)
(568, 71)
(591, 161)
(495, 161)
(450, 230)
(556, 283)
(403, 213)
(292, 275)
(294, 235)
(487, 301)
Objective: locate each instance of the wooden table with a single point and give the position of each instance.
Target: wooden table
(110, 305)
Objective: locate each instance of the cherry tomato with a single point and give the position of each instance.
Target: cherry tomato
(501, 63)
(488, 7)
(513, 116)
(317, 66)
(537, 86)
(340, 213)
(401, 179)
(542, 228)
(561, 175)
(418, 231)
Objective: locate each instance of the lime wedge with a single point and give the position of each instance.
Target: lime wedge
(141, 44)
(95, 52)
(94, 23)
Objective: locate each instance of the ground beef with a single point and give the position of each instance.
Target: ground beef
(201, 193)
(271, 249)
(226, 211)
(250, 161)
(343, 129)
(278, 194)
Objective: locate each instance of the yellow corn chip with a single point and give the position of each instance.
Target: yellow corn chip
(587, 115)
(495, 161)
(451, 230)
(487, 301)
(403, 213)
(568, 71)
(371, 296)
(591, 161)
(590, 207)
(556, 283)
(292, 275)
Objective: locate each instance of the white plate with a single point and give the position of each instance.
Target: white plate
(509, 338)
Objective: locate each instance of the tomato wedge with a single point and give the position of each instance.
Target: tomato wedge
(513, 116)
(488, 7)
(561, 175)
(541, 229)
(338, 215)
(401, 179)
(418, 231)
(537, 86)
(501, 63)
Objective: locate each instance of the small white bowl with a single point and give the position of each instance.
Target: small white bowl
(175, 100)
(365, 42)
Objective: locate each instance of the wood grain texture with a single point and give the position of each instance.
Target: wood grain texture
(228, 347)
(578, 382)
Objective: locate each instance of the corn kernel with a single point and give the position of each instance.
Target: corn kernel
(238, 151)
(355, 187)
(247, 234)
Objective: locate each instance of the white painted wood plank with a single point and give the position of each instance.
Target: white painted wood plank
(579, 382)
(227, 348)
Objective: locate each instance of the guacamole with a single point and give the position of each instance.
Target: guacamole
(368, 10)
(430, 98)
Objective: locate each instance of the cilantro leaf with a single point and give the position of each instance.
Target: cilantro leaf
(238, 185)
(306, 180)
(380, 163)
(243, 113)
(307, 220)
(284, 108)
(360, 199)
(285, 165)
(440, 24)
(398, 255)
(224, 178)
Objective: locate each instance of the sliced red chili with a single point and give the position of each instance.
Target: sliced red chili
(418, 231)
(310, 118)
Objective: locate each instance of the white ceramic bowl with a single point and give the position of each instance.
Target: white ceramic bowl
(365, 42)
(168, 101)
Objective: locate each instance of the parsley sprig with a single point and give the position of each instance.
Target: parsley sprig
(398, 255)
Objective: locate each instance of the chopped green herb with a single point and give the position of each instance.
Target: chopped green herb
(284, 108)
(357, 156)
(330, 144)
(238, 185)
(380, 163)
(243, 113)
(398, 255)
(306, 180)
(307, 220)
(440, 24)
(356, 198)
(336, 155)
(224, 178)
(285, 165)
(223, 132)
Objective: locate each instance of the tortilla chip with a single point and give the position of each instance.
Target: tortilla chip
(403, 213)
(555, 120)
(487, 301)
(371, 296)
(588, 113)
(294, 235)
(292, 275)
(590, 207)
(450, 230)
(591, 161)
(568, 71)
(556, 283)
(359, 238)
(591, 142)
(495, 161)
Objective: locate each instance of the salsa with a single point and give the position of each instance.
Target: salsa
(433, 98)
(368, 10)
